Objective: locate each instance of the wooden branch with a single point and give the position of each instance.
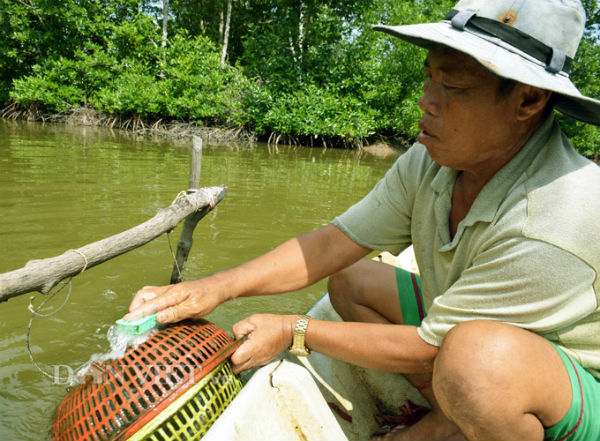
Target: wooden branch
(43, 275)
(186, 240)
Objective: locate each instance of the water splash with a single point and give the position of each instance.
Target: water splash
(119, 343)
(109, 294)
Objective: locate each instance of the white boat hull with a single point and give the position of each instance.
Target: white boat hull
(282, 401)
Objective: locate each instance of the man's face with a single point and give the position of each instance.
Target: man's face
(467, 125)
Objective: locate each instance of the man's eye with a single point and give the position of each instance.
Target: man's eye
(447, 87)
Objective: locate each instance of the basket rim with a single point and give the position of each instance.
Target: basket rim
(174, 396)
(173, 407)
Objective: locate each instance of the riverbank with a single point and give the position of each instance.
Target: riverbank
(137, 126)
(377, 145)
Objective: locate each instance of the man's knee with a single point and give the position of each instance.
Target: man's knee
(367, 292)
(464, 341)
(338, 282)
(340, 286)
(488, 376)
(471, 365)
(482, 370)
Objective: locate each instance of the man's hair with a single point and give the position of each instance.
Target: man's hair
(506, 86)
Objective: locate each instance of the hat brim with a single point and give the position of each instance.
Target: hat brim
(503, 60)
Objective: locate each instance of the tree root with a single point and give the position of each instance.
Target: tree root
(136, 124)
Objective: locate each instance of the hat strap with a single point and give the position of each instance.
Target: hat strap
(554, 59)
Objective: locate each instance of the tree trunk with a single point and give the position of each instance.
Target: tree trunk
(43, 275)
(226, 36)
(293, 50)
(309, 11)
(221, 24)
(301, 31)
(165, 22)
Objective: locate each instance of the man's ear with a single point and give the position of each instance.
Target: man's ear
(532, 101)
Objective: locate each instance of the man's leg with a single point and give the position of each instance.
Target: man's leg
(368, 292)
(495, 381)
(500, 382)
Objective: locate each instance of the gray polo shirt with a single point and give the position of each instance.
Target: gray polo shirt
(527, 253)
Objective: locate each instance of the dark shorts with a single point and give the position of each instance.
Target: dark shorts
(582, 421)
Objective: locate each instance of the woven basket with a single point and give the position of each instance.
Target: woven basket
(172, 387)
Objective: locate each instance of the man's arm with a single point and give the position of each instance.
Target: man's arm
(384, 347)
(297, 263)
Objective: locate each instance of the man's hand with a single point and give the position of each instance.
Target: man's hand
(268, 335)
(193, 299)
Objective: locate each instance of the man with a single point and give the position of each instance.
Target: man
(504, 218)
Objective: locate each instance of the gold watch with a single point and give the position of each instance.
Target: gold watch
(298, 347)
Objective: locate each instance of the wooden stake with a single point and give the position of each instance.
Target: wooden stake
(186, 239)
(196, 167)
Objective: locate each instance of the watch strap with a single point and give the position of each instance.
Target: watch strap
(298, 345)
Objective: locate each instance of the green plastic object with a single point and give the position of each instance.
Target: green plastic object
(190, 415)
(137, 326)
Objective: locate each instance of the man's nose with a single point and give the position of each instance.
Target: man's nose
(428, 102)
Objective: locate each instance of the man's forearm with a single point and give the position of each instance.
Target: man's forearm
(385, 347)
(293, 265)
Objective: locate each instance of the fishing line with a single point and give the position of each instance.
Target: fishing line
(173, 254)
(35, 312)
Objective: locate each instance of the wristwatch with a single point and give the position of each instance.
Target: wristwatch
(298, 347)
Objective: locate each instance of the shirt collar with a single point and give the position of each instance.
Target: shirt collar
(488, 201)
(494, 192)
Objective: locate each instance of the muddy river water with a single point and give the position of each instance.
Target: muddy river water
(63, 187)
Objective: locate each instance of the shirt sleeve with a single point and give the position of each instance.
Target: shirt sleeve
(519, 281)
(382, 219)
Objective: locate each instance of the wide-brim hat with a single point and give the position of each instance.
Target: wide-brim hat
(530, 41)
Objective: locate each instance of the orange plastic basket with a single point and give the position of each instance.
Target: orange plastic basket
(124, 395)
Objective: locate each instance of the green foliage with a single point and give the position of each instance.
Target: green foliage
(197, 87)
(585, 137)
(363, 82)
(64, 83)
(129, 77)
(133, 93)
(255, 102)
(34, 32)
(306, 68)
(37, 90)
(189, 85)
(316, 111)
